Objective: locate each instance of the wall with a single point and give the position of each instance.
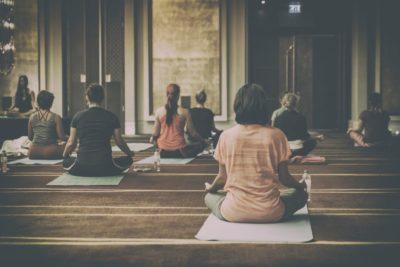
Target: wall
(236, 53)
(26, 45)
(186, 49)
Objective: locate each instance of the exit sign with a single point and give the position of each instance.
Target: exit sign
(294, 8)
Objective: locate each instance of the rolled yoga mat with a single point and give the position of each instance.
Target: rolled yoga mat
(67, 179)
(295, 230)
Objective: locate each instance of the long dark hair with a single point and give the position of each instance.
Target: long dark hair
(22, 90)
(173, 92)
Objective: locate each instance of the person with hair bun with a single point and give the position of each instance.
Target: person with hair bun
(372, 128)
(294, 125)
(203, 118)
(170, 123)
(45, 130)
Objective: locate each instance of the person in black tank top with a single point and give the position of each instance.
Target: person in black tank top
(203, 119)
(373, 124)
(94, 128)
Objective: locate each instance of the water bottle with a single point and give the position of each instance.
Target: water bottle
(157, 160)
(307, 179)
(210, 146)
(4, 167)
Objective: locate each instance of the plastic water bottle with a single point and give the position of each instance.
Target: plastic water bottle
(157, 160)
(210, 146)
(307, 179)
(4, 160)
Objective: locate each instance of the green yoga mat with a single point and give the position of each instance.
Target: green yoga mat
(67, 180)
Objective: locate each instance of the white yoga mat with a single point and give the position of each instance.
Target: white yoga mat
(67, 179)
(295, 230)
(136, 147)
(169, 161)
(28, 161)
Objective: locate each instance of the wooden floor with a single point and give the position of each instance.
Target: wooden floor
(150, 219)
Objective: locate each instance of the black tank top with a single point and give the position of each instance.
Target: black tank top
(24, 105)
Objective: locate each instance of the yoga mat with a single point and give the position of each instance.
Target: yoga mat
(28, 161)
(136, 147)
(180, 161)
(67, 179)
(295, 230)
(313, 160)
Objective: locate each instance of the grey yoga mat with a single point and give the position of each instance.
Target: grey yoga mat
(67, 179)
(27, 161)
(295, 230)
(166, 161)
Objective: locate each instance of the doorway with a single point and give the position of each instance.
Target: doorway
(93, 52)
(309, 65)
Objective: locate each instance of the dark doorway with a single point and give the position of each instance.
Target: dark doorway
(307, 53)
(309, 66)
(93, 52)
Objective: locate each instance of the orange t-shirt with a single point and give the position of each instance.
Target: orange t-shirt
(171, 136)
(251, 154)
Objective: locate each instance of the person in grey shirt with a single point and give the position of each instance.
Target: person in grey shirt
(45, 130)
(93, 129)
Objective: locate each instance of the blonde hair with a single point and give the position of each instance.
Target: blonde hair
(290, 100)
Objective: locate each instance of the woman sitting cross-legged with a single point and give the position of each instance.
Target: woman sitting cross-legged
(93, 128)
(169, 128)
(372, 129)
(45, 130)
(203, 119)
(294, 125)
(24, 102)
(253, 165)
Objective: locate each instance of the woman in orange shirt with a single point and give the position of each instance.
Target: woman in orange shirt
(253, 166)
(169, 128)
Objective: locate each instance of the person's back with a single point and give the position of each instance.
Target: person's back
(44, 129)
(251, 154)
(171, 136)
(203, 121)
(372, 126)
(293, 124)
(92, 129)
(95, 127)
(253, 164)
(376, 125)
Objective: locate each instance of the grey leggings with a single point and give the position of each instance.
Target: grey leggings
(292, 198)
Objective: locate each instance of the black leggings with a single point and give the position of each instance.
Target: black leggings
(189, 151)
(113, 167)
